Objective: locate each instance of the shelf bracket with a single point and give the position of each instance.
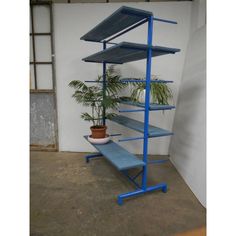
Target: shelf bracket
(165, 21)
(131, 179)
(130, 139)
(131, 110)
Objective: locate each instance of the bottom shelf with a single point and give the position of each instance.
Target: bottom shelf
(118, 156)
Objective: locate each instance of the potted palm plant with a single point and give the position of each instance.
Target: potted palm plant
(98, 99)
(160, 93)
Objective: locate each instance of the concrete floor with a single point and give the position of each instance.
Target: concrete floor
(72, 198)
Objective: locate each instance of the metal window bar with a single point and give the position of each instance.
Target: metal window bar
(53, 72)
(40, 62)
(40, 34)
(52, 62)
(33, 45)
(33, 34)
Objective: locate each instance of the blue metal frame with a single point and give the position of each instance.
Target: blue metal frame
(127, 30)
(130, 139)
(143, 81)
(147, 101)
(133, 81)
(121, 197)
(131, 110)
(104, 86)
(132, 179)
(143, 187)
(163, 20)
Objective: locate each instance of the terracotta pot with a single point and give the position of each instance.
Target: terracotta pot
(98, 131)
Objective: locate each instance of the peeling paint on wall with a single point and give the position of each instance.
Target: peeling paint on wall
(42, 120)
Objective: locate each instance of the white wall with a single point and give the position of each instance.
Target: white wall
(74, 20)
(188, 145)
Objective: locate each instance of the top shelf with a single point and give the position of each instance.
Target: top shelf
(120, 20)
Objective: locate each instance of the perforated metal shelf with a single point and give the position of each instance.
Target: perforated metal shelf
(118, 156)
(127, 52)
(139, 126)
(152, 106)
(120, 20)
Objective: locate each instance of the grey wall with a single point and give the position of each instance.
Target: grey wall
(74, 20)
(188, 145)
(42, 120)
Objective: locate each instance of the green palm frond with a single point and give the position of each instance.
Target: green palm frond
(86, 116)
(110, 115)
(92, 96)
(160, 92)
(77, 84)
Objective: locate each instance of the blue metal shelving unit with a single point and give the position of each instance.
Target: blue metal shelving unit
(120, 22)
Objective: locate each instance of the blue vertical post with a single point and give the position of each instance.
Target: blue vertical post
(147, 102)
(104, 86)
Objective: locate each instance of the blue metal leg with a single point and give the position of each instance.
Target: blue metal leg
(119, 201)
(104, 87)
(164, 189)
(122, 196)
(147, 102)
(145, 188)
(88, 157)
